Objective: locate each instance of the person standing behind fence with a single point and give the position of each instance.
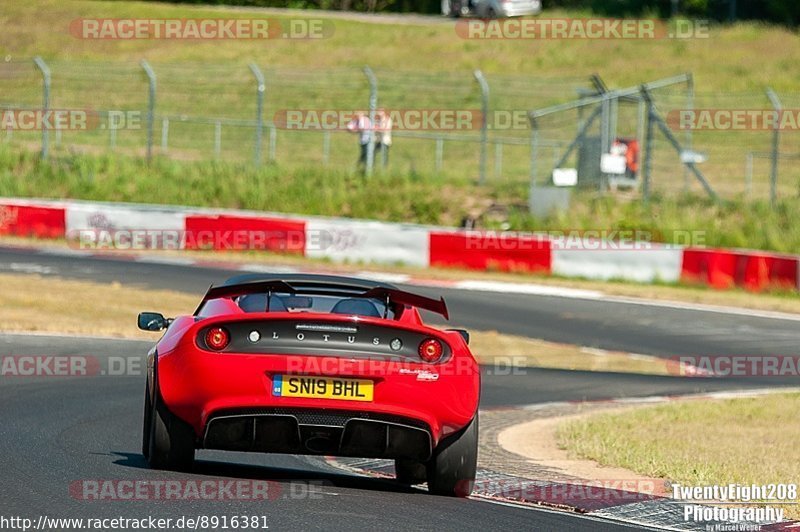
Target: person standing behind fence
(360, 124)
(383, 134)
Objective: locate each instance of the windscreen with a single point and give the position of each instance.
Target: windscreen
(285, 302)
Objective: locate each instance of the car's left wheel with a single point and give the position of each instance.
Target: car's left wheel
(171, 440)
(410, 472)
(146, 421)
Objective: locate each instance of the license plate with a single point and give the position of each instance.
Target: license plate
(322, 388)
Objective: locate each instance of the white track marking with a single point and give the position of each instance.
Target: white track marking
(65, 252)
(264, 268)
(176, 261)
(719, 309)
(526, 289)
(28, 267)
(386, 277)
(733, 394)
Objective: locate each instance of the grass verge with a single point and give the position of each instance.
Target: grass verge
(697, 443)
(41, 304)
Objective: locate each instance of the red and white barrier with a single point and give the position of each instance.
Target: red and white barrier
(368, 242)
(103, 216)
(592, 261)
(221, 232)
(363, 241)
(32, 219)
(754, 270)
(478, 250)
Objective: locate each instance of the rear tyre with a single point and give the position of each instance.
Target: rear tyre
(452, 469)
(171, 441)
(146, 421)
(410, 472)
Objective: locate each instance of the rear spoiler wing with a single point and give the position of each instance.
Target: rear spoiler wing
(402, 297)
(388, 294)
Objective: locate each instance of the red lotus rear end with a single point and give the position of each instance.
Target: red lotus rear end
(315, 365)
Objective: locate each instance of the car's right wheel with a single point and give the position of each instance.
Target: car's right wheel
(171, 440)
(452, 469)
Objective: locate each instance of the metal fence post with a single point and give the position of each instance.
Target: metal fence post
(260, 88)
(217, 139)
(498, 159)
(373, 105)
(164, 134)
(535, 151)
(689, 139)
(479, 77)
(273, 142)
(776, 146)
(641, 124)
(45, 70)
(648, 146)
(151, 105)
(612, 120)
(605, 141)
(534, 157)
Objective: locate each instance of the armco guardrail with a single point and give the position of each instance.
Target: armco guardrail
(94, 225)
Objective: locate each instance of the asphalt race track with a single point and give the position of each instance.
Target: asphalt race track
(59, 430)
(635, 328)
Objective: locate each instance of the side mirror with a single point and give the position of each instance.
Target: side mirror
(464, 334)
(152, 321)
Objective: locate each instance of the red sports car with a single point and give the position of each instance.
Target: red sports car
(314, 364)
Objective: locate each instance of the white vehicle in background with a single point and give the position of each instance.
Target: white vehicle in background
(491, 8)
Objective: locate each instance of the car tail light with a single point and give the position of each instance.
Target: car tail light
(430, 350)
(217, 338)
